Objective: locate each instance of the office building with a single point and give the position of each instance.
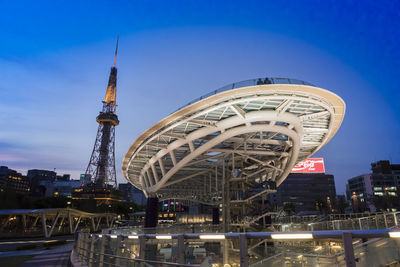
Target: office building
(13, 181)
(376, 190)
(65, 187)
(132, 194)
(306, 190)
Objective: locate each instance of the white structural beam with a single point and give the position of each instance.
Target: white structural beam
(186, 178)
(313, 116)
(240, 112)
(229, 123)
(227, 134)
(284, 106)
(251, 152)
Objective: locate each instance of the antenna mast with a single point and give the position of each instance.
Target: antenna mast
(116, 51)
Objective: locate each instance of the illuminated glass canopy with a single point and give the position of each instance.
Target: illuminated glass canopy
(264, 126)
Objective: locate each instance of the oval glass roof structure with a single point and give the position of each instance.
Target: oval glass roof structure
(254, 130)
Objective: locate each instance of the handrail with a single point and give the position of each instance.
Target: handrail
(86, 239)
(371, 233)
(245, 83)
(375, 240)
(330, 217)
(136, 259)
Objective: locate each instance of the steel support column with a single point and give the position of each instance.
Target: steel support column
(348, 249)
(243, 250)
(151, 213)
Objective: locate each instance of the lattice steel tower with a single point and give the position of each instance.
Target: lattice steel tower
(101, 167)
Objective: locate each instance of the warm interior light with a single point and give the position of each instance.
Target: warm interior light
(163, 237)
(100, 236)
(113, 236)
(212, 236)
(394, 234)
(291, 236)
(133, 236)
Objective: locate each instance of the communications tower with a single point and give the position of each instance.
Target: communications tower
(101, 167)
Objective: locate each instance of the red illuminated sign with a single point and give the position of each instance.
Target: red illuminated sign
(310, 165)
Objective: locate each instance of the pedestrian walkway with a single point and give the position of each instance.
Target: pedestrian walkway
(58, 257)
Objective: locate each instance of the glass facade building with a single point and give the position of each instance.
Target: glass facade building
(306, 192)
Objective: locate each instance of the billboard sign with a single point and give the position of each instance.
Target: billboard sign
(311, 165)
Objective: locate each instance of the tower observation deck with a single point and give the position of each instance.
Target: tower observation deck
(234, 145)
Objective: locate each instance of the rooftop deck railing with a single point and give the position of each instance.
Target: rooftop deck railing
(251, 82)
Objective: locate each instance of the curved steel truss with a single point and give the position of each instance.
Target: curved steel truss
(254, 134)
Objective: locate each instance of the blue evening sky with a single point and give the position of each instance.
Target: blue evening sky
(55, 58)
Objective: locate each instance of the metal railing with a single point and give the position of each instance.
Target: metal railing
(119, 260)
(336, 222)
(194, 249)
(166, 229)
(324, 217)
(357, 221)
(374, 252)
(251, 82)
